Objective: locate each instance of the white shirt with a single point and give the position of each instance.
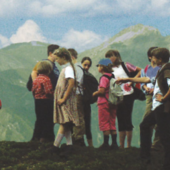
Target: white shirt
(69, 73)
(120, 73)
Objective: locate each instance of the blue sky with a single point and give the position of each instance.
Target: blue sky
(81, 24)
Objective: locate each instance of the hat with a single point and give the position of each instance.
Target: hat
(104, 62)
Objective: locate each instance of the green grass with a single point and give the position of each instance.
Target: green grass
(35, 156)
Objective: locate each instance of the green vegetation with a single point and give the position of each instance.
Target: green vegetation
(35, 156)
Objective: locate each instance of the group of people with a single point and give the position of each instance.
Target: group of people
(59, 99)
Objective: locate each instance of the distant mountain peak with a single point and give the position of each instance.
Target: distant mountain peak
(128, 33)
(131, 32)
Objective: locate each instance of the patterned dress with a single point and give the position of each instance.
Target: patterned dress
(67, 112)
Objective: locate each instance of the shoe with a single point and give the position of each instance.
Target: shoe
(54, 150)
(114, 146)
(68, 150)
(104, 147)
(144, 162)
(79, 142)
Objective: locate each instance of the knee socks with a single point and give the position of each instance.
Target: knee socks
(114, 141)
(68, 137)
(106, 139)
(58, 139)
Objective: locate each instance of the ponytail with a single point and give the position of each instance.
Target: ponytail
(63, 52)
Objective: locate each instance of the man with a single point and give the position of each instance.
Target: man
(78, 131)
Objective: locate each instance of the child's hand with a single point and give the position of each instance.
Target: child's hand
(159, 97)
(130, 84)
(60, 101)
(151, 91)
(95, 93)
(147, 89)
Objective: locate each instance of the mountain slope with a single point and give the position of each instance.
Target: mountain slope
(17, 61)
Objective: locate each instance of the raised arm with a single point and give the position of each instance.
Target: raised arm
(134, 80)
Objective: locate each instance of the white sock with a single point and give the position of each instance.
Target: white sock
(68, 138)
(58, 139)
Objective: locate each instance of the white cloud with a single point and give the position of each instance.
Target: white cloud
(53, 8)
(81, 40)
(29, 31)
(4, 41)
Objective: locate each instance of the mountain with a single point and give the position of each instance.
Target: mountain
(17, 60)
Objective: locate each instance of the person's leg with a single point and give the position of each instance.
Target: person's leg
(87, 118)
(156, 144)
(145, 135)
(129, 138)
(128, 117)
(48, 130)
(79, 131)
(113, 132)
(121, 124)
(40, 119)
(106, 137)
(122, 135)
(163, 123)
(104, 123)
(59, 136)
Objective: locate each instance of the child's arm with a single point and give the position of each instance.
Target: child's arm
(33, 75)
(48, 88)
(134, 80)
(71, 83)
(161, 98)
(101, 92)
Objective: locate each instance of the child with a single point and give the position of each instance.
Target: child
(65, 108)
(124, 110)
(86, 64)
(151, 72)
(160, 114)
(107, 115)
(43, 94)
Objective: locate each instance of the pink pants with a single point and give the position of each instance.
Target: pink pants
(107, 117)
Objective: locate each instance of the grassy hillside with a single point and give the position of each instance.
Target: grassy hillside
(34, 156)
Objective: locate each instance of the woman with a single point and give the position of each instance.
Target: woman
(86, 64)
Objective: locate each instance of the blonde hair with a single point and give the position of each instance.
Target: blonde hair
(64, 53)
(35, 67)
(44, 67)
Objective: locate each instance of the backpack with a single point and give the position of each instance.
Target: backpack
(90, 85)
(115, 91)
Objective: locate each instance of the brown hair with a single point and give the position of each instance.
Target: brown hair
(73, 52)
(44, 67)
(161, 53)
(87, 58)
(149, 53)
(115, 53)
(107, 69)
(51, 48)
